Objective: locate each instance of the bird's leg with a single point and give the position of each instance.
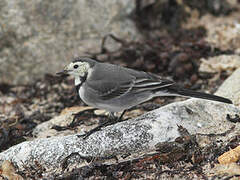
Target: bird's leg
(98, 128)
(111, 116)
(120, 118)
(112, 120)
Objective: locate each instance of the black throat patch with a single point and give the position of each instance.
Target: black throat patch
(82, 79)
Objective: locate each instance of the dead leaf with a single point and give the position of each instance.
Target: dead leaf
(8, 171)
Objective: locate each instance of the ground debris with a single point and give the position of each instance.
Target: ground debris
(231, 169)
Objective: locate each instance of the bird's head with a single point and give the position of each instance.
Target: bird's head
(78, 67)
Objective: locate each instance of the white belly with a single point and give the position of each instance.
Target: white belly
(81, 93)
(83, 97)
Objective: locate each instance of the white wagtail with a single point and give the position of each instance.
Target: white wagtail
(116, 89)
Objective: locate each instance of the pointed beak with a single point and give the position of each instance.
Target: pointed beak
(64, 72)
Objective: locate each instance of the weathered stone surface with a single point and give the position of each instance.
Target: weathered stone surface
(132, 136)
(217, 64)
(231, 88)
(38, 37)
(223, 32)
(66, 117)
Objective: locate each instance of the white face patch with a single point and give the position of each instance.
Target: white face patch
(78, 68)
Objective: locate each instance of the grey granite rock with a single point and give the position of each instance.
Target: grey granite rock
(133, 136)
(38, 37)
(231, 88)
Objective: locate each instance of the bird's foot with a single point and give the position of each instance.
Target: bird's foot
(98, 128)
(112, 120)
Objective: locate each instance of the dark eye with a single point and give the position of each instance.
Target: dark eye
(75, 66)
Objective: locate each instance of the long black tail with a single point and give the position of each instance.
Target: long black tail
(186, 92)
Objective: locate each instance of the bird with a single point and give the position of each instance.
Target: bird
(116, 88)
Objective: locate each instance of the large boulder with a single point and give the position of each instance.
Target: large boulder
(38, 37)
